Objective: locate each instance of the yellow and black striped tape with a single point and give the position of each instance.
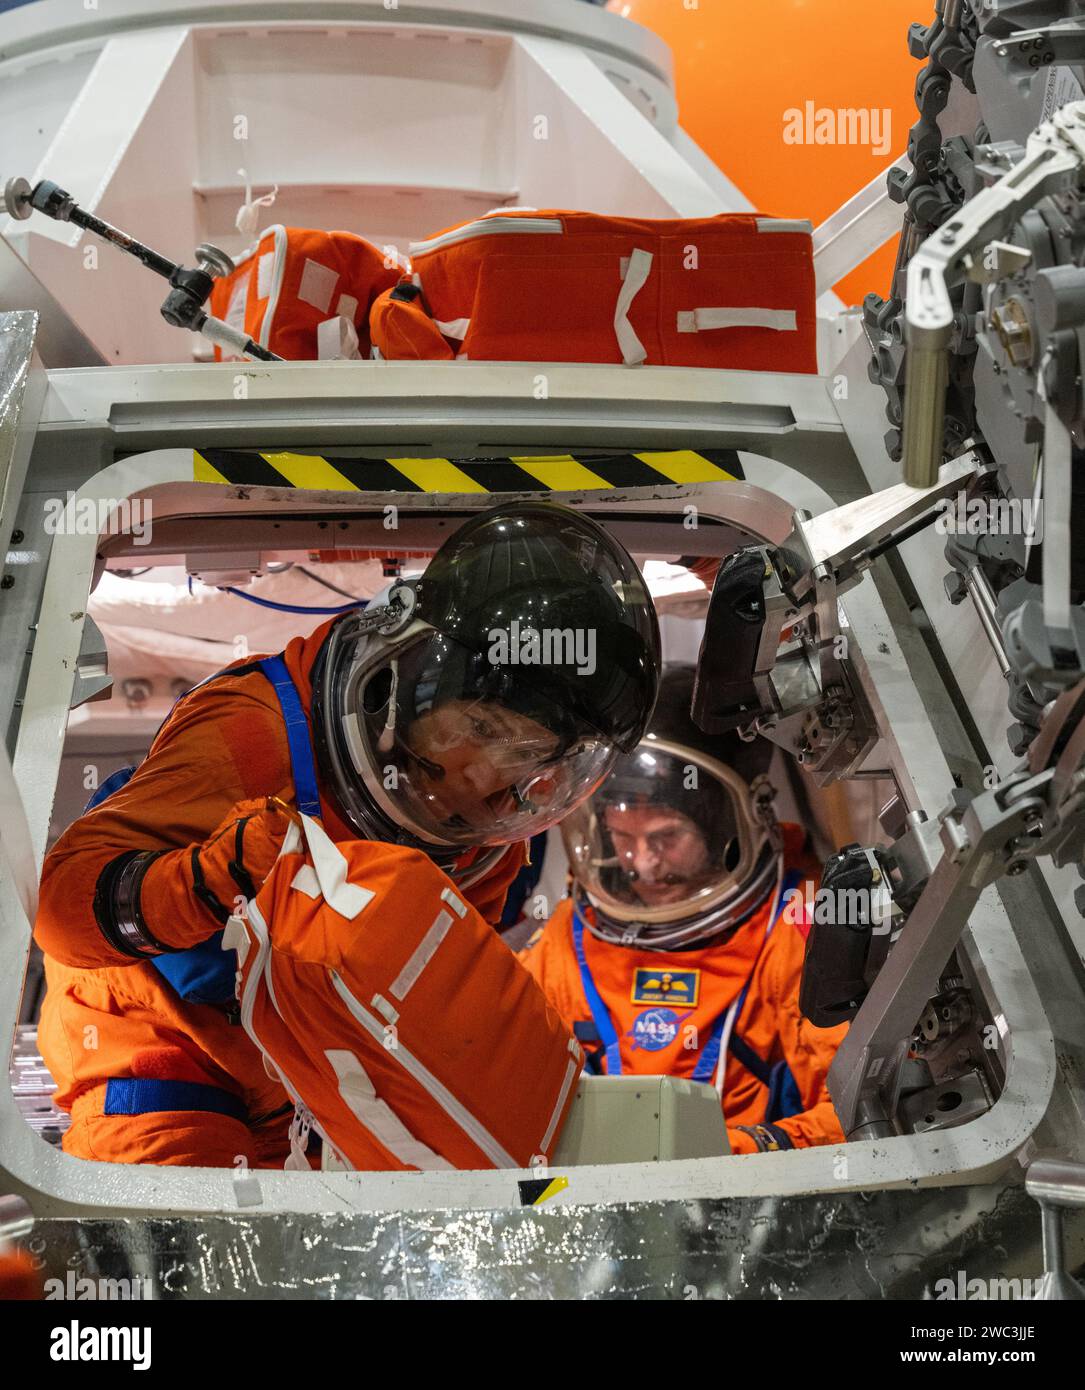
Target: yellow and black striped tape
(535, 1191)
(516, 473)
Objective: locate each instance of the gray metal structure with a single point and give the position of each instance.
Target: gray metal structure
(931, 1181)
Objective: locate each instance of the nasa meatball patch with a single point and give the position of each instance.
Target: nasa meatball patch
(655, 1029)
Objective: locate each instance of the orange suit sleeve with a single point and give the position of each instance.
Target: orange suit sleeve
(809, 1050)
(221, 745)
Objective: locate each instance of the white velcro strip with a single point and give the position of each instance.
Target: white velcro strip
(337, 340)
(454, 328)
(306, 881)
(317, 285)
(706, 320)
(347, 308)
(570, 1076)
(423, 954)
(235, 937)
(264, 268)
(235, 313)
(360, 1096)
(348, 899)
(783, 224)
(448, 896)
(292, 843)
(385, 1009)
(634, 280)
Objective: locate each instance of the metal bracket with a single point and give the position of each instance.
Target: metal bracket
(1053, 161)
(92, 678)
(991, 835)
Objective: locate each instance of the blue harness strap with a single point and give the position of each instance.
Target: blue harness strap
(706, 1063)
(603, 1023)
(302, 763)
(141, 1096)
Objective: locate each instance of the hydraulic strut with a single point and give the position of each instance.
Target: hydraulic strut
(191, 288)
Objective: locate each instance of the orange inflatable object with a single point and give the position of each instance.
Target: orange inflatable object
(733, 292)
(410, 1039)
(663, 1007)
(293, 280)
(739, 71)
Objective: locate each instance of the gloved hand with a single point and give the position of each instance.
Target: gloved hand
(229, 868)
(741, 1142)
(753, 1139)
(147, 902)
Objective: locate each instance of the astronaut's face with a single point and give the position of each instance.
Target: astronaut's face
(662, 852)
(479, 761)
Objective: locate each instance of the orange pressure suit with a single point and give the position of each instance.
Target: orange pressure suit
(663, 1013)
(149, 1076)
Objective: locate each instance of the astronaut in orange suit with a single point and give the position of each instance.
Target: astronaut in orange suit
(395, 726)
(680, 951)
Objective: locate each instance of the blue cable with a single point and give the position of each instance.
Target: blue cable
(284, 607)
(288, 607)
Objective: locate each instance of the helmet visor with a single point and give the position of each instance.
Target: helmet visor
(463, 752)
(669, 836)
(549, 594)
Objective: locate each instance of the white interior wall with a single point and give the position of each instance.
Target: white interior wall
(126, 151)
(35, 97)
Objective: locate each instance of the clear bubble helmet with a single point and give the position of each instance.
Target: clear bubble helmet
(529, 662)
(671, 850)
